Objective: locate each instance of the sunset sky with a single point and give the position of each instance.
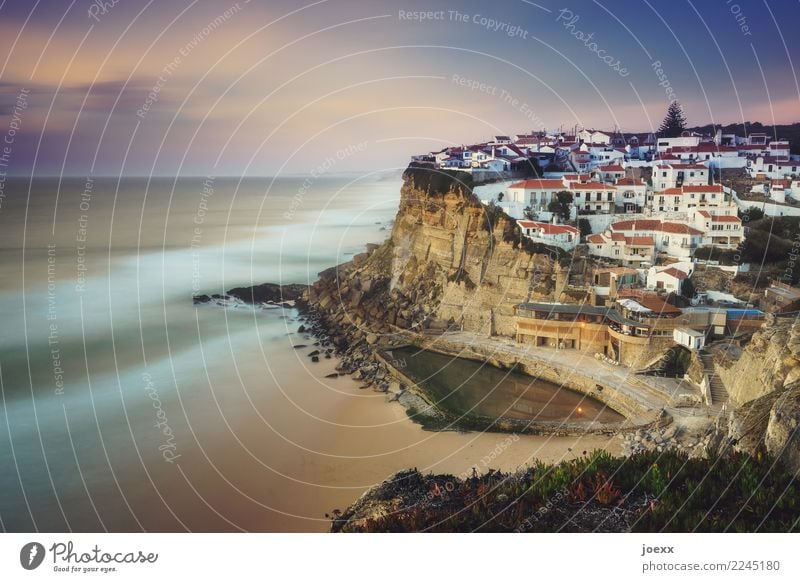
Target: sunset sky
(279, 87)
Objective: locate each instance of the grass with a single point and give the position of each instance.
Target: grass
(649, 492)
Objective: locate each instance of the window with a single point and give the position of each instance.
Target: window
(663, 174)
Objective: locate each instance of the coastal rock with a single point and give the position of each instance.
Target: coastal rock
(782, 436)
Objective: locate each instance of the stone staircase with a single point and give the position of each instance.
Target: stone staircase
(719, 395)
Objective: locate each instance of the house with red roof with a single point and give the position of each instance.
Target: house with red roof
(669, 278)
(675, 239)
(560, 235)
(719, 230)
(630, 251)
(667, 176)
(536, 194)
(609, 173)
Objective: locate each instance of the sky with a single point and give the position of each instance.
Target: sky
(201, 87)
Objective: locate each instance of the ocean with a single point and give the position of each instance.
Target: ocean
(127, 408)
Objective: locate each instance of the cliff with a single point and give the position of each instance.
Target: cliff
(764, 385)
(769, 362)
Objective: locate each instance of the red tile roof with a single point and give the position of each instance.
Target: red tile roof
(547, 228)
(677, 273)
(611, 168)
(629, 182)
(723, 218)
(640, 241)
(590, 186)
(703, 188)
(539, 185)
(596, 239)
(654, 225)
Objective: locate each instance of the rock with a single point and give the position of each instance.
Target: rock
(301, 329)
(332, 375)
(372, 338)
(782, 437)
(357, 375)
(298, 346)
(314, 353)
(200, 299)
(315, 359)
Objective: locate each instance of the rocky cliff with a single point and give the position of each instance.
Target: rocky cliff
(769, 362)
(450, 262)
(764, 385)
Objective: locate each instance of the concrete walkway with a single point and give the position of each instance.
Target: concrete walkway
(650, 392)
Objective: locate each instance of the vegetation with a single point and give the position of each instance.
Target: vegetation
(649, 492)
(674, 123)
(584, 226)
(562, 205)
(434, 180)
(752, 214)
(529, 214)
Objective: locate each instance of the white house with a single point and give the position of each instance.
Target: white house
(609, 173)
(772, 167)
(676, 175)
(593, 136)
(632, 251)
(673, 238)
(631, 195)
(560, 235)
(535, 193)
(593, 197)
(689, 338)
(668, 278)
(686, 139)
(718, 229)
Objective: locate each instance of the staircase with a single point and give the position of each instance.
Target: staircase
(719, 395)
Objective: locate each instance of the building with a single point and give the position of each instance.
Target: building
(631, 195)
(672, 238)
(560, 235)
(631, 251)
(535, 194)
(667, 278)
(593, 197)
(689, 338)
(718, 229)
(773, 167)
(668, 176)
(609, 173)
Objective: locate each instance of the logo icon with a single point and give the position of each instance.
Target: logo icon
(31, 555)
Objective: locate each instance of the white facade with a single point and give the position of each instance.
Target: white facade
(560, 235)
(689, 338)
(664, 143)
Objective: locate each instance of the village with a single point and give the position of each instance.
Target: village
(648, 213)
